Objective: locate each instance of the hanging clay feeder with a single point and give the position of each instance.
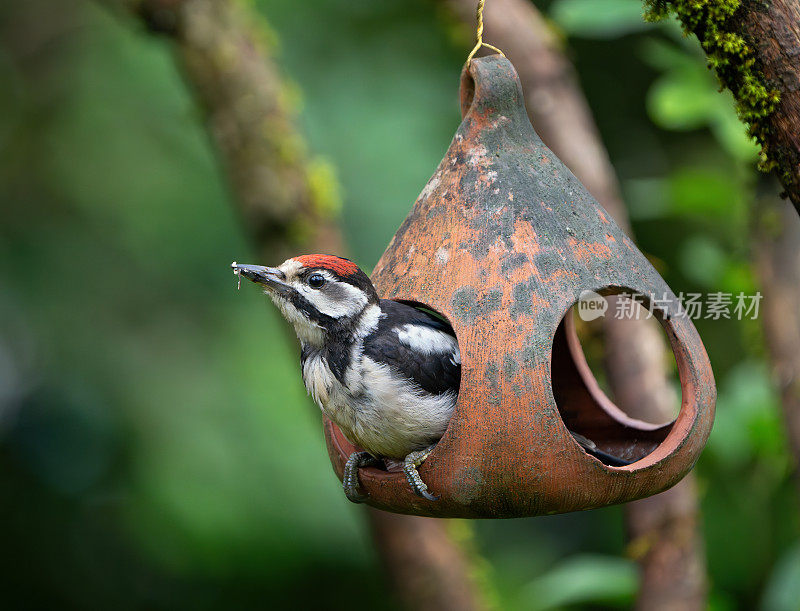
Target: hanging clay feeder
(502, 241)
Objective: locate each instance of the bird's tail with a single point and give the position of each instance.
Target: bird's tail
(604, 457)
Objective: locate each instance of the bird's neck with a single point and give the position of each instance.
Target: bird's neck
(336, 342)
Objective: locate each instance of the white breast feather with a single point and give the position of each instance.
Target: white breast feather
(319, 379)
(397, 416)
(380, 412)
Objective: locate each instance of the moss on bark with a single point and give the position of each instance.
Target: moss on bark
(717, 25)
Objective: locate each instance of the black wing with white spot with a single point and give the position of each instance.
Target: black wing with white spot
(416, 345)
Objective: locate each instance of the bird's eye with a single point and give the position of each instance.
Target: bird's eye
(316, 281)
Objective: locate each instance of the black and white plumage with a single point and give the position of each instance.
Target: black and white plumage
(385, 372)
(391, 387)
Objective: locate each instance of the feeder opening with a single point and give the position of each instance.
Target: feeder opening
(628, 411)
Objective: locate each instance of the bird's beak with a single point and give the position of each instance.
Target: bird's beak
(269, 277)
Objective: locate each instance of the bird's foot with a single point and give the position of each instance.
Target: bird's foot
(410, 464)
(350, 475)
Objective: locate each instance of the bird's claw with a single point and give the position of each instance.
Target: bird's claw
(350, 475)
(427, 495)
(410, 464)
(364, 459)
(354, 496)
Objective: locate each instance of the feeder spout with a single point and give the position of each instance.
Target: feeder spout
(490, 85)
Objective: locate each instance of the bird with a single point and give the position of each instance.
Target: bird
(385, 372)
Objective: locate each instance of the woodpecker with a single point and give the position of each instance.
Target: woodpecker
(385, 372)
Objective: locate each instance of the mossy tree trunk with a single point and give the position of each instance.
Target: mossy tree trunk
(664, 529)
(287, 203)
(754, 47)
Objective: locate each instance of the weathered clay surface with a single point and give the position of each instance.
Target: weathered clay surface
(502, 241)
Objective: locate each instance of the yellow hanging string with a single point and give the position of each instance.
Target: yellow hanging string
(480, 42)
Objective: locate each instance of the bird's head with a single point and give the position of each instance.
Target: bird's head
(317, 294)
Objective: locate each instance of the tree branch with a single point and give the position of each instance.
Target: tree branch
(287, 199)
(754, 46)
(429, 571)
(777, 253)
(663, 529)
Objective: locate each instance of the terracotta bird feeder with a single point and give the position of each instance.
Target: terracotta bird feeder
(502, 241)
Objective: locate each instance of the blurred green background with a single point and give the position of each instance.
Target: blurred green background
(157, 449)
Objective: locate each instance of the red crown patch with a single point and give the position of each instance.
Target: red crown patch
(339, 266)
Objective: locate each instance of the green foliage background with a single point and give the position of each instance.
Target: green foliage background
(157, 449)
